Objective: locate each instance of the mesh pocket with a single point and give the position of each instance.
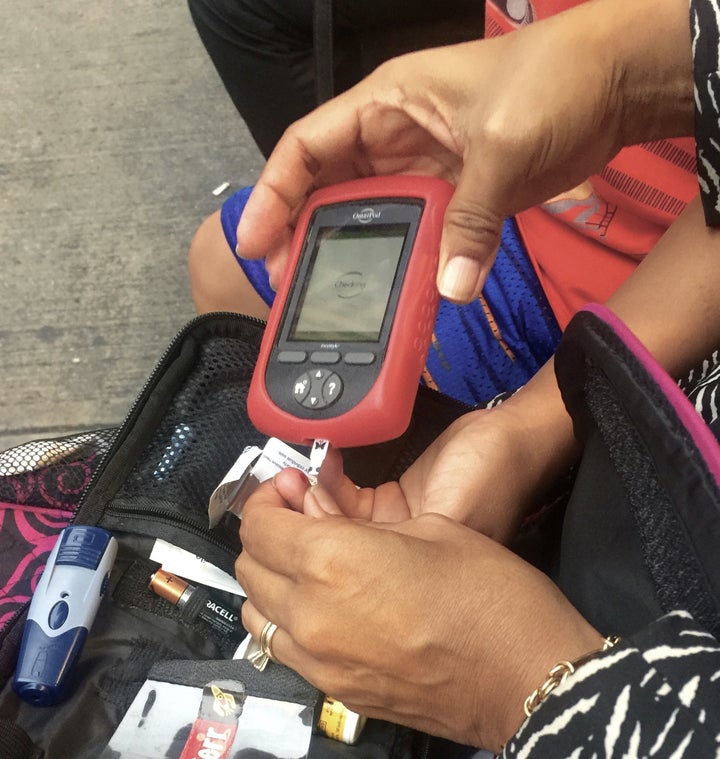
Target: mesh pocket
(202, 432)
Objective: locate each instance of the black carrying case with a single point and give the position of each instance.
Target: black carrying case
(638, 538)
(182, 435)
(641, 527)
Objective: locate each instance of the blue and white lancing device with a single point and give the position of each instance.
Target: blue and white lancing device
(62, 611)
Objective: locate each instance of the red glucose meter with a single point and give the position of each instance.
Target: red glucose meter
(351, 324)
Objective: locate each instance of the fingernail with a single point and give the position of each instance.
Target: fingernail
(239, 252)
(311, 505)
(318, 498)
(458, 278)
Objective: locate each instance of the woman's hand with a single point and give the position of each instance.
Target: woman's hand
(512, 121)
(485, 471)
(425, 622)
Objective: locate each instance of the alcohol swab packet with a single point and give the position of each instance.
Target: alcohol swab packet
(253, 466)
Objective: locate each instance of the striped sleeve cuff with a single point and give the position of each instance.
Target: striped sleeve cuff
(654, 694)
(705, 34)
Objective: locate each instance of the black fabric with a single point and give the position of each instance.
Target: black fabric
(264, 50)
(643, 523)
(324, 50)
(601, 570)
(705, 32)
(15, 743)
(638, 557)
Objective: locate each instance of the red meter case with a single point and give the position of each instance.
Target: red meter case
(351, 324)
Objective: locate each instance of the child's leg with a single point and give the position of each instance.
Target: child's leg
(263, 52)
(217, 282)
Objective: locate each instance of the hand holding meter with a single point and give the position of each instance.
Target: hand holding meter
(62, 611)
(349, 331)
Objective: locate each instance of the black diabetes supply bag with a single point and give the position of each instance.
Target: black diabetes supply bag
(637, 535)
(152, 478)
(641, 530)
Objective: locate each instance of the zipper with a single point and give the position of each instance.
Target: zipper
(121, 433)
(161, 515)
(424, 748)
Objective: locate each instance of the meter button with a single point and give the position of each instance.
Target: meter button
(313, 397)
(301, 387)
(313, 401)
(332, 389)
(324, 357)
(317, 389)
(291, 357)
(360, 358)
(58, 614)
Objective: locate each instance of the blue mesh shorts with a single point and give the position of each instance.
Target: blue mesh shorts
(491, 346)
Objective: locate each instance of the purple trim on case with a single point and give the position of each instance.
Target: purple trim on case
(696, 427)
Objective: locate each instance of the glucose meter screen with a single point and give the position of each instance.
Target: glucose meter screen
(349, 282)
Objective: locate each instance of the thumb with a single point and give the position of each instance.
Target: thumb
(319, 503)
(471, 233)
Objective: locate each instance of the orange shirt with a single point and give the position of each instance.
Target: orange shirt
(584, 243)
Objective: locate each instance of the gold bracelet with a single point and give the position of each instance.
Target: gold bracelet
(560, 672)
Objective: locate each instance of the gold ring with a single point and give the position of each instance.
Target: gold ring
(266, 637)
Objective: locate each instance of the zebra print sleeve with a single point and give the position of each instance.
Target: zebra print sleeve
(655, 694)
(705, 34)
